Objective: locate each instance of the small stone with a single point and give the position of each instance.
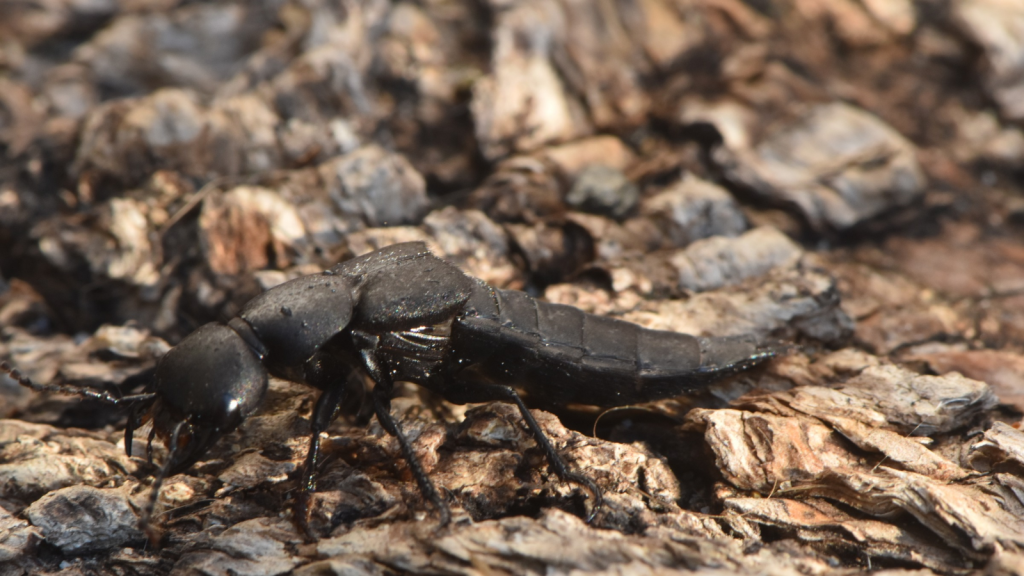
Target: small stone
(604, 190)
(81, 519)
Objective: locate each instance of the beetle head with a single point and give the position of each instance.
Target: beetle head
(208, 384)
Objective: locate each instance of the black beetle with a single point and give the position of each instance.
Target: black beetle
(402, 314)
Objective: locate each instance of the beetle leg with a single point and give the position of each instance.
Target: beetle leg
(382, 391)
(323, 414)
(481, 392)
(149, 444)
(134, 421)
(158, 482)
(382, 406)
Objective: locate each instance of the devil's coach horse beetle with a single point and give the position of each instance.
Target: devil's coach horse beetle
(402, 314)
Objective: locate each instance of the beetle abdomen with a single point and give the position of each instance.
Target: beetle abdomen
(559, 354)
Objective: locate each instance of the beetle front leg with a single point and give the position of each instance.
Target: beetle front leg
(481, 392)
(382, 392)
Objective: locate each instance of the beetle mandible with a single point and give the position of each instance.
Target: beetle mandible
(402, 314)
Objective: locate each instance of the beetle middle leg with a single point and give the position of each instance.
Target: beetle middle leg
(482, 392)
(326, 409)
(330, 370)
(382, 392)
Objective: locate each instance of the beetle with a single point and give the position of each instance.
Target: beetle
(402, 314)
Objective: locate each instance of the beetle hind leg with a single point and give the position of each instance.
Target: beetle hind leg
(480, 392)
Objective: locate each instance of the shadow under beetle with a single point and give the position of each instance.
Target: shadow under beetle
(402, 314)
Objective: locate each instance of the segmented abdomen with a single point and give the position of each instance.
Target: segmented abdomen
(558, 354)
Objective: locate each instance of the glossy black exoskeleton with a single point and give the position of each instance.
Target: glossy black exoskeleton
(402, 314)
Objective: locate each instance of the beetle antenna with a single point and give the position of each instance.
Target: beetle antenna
(158, 481)
(101, 395)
